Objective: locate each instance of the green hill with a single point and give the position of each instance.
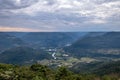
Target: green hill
(23, 55)
(104, 45)
(51, 39)
(7, 41)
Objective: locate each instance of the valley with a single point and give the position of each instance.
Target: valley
(87, 54)
(61, 59)
(59, 39)
(59, 49)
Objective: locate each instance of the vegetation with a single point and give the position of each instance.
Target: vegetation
(41, 72)
(105, 45)
(92, 57)
(51, 39)
(8, 41)
(23, 55)
(100, 68)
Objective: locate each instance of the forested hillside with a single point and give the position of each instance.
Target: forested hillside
(106, 45)
(51, 39)
(8, 41)
(40, 72)
(23, 55)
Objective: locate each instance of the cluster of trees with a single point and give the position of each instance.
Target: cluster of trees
(40, 72)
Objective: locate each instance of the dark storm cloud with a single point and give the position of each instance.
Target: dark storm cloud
(15, 4)
(58, 15)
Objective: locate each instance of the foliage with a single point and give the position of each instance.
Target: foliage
(105, 45)
(41, 72)
(23, 55)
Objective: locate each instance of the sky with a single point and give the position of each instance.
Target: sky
(59, 15)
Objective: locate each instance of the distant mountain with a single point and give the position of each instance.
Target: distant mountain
(96, 45)
(8, 41)
(23, 55)
(95, 34)
(48, 39)
(51, 39)
(108, 40)
(17, 34)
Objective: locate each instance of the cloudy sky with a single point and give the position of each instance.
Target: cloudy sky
(59, 15)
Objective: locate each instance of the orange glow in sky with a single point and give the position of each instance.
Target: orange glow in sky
(4, 29)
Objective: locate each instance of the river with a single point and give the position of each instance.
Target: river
(53, 55)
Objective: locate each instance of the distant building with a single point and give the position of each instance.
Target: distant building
(68, 45)
(65, 55)
(51, 50)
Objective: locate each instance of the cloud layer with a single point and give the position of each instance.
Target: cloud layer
(61, 15)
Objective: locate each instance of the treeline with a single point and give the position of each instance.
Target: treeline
(98, 67)
(41, 72)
